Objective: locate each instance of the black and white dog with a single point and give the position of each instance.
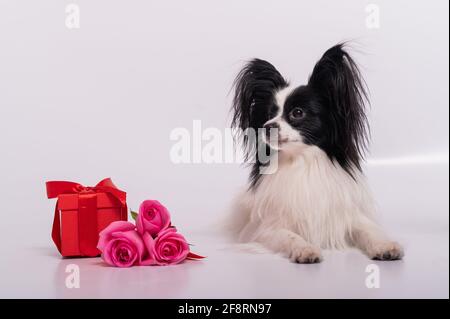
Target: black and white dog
(316, 197)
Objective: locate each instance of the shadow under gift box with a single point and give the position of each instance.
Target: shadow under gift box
(80, 217)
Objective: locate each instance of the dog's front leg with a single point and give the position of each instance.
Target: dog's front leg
(290, 244)
(367, 236)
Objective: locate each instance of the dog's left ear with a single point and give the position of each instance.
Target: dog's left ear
(338, 81)
(254, 88)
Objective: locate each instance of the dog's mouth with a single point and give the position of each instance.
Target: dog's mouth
(279, 143)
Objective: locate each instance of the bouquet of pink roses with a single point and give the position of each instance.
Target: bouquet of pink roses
(152, 241)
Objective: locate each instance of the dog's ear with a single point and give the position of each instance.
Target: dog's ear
(254, 89)
(338, 81)
(255, 84)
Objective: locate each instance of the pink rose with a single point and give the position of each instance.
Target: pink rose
(168, 248)
(121, 245)
(152, 218)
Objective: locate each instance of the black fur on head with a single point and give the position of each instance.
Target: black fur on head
(331, 104)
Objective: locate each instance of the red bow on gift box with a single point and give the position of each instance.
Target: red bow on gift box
(87, 208)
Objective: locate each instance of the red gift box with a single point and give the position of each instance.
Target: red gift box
(81, 213)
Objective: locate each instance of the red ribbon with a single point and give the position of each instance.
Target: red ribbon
(193, 256)
(87, 205)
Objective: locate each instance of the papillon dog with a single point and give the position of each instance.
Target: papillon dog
(314, 195)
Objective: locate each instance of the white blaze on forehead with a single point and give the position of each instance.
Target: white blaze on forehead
(280, 98)
(286, 131)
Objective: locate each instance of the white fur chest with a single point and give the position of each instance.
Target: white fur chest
(312, 197)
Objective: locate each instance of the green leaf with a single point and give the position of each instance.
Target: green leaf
(133, 215)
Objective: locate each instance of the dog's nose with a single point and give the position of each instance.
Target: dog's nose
(269, 132)
(268, 126)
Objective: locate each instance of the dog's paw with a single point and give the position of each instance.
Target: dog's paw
(306, 255)
(389, 250)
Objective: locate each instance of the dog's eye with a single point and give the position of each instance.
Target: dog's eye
(297, 114)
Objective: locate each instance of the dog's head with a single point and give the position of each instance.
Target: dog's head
(327, 112)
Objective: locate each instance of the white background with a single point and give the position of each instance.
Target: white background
(100, 101)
